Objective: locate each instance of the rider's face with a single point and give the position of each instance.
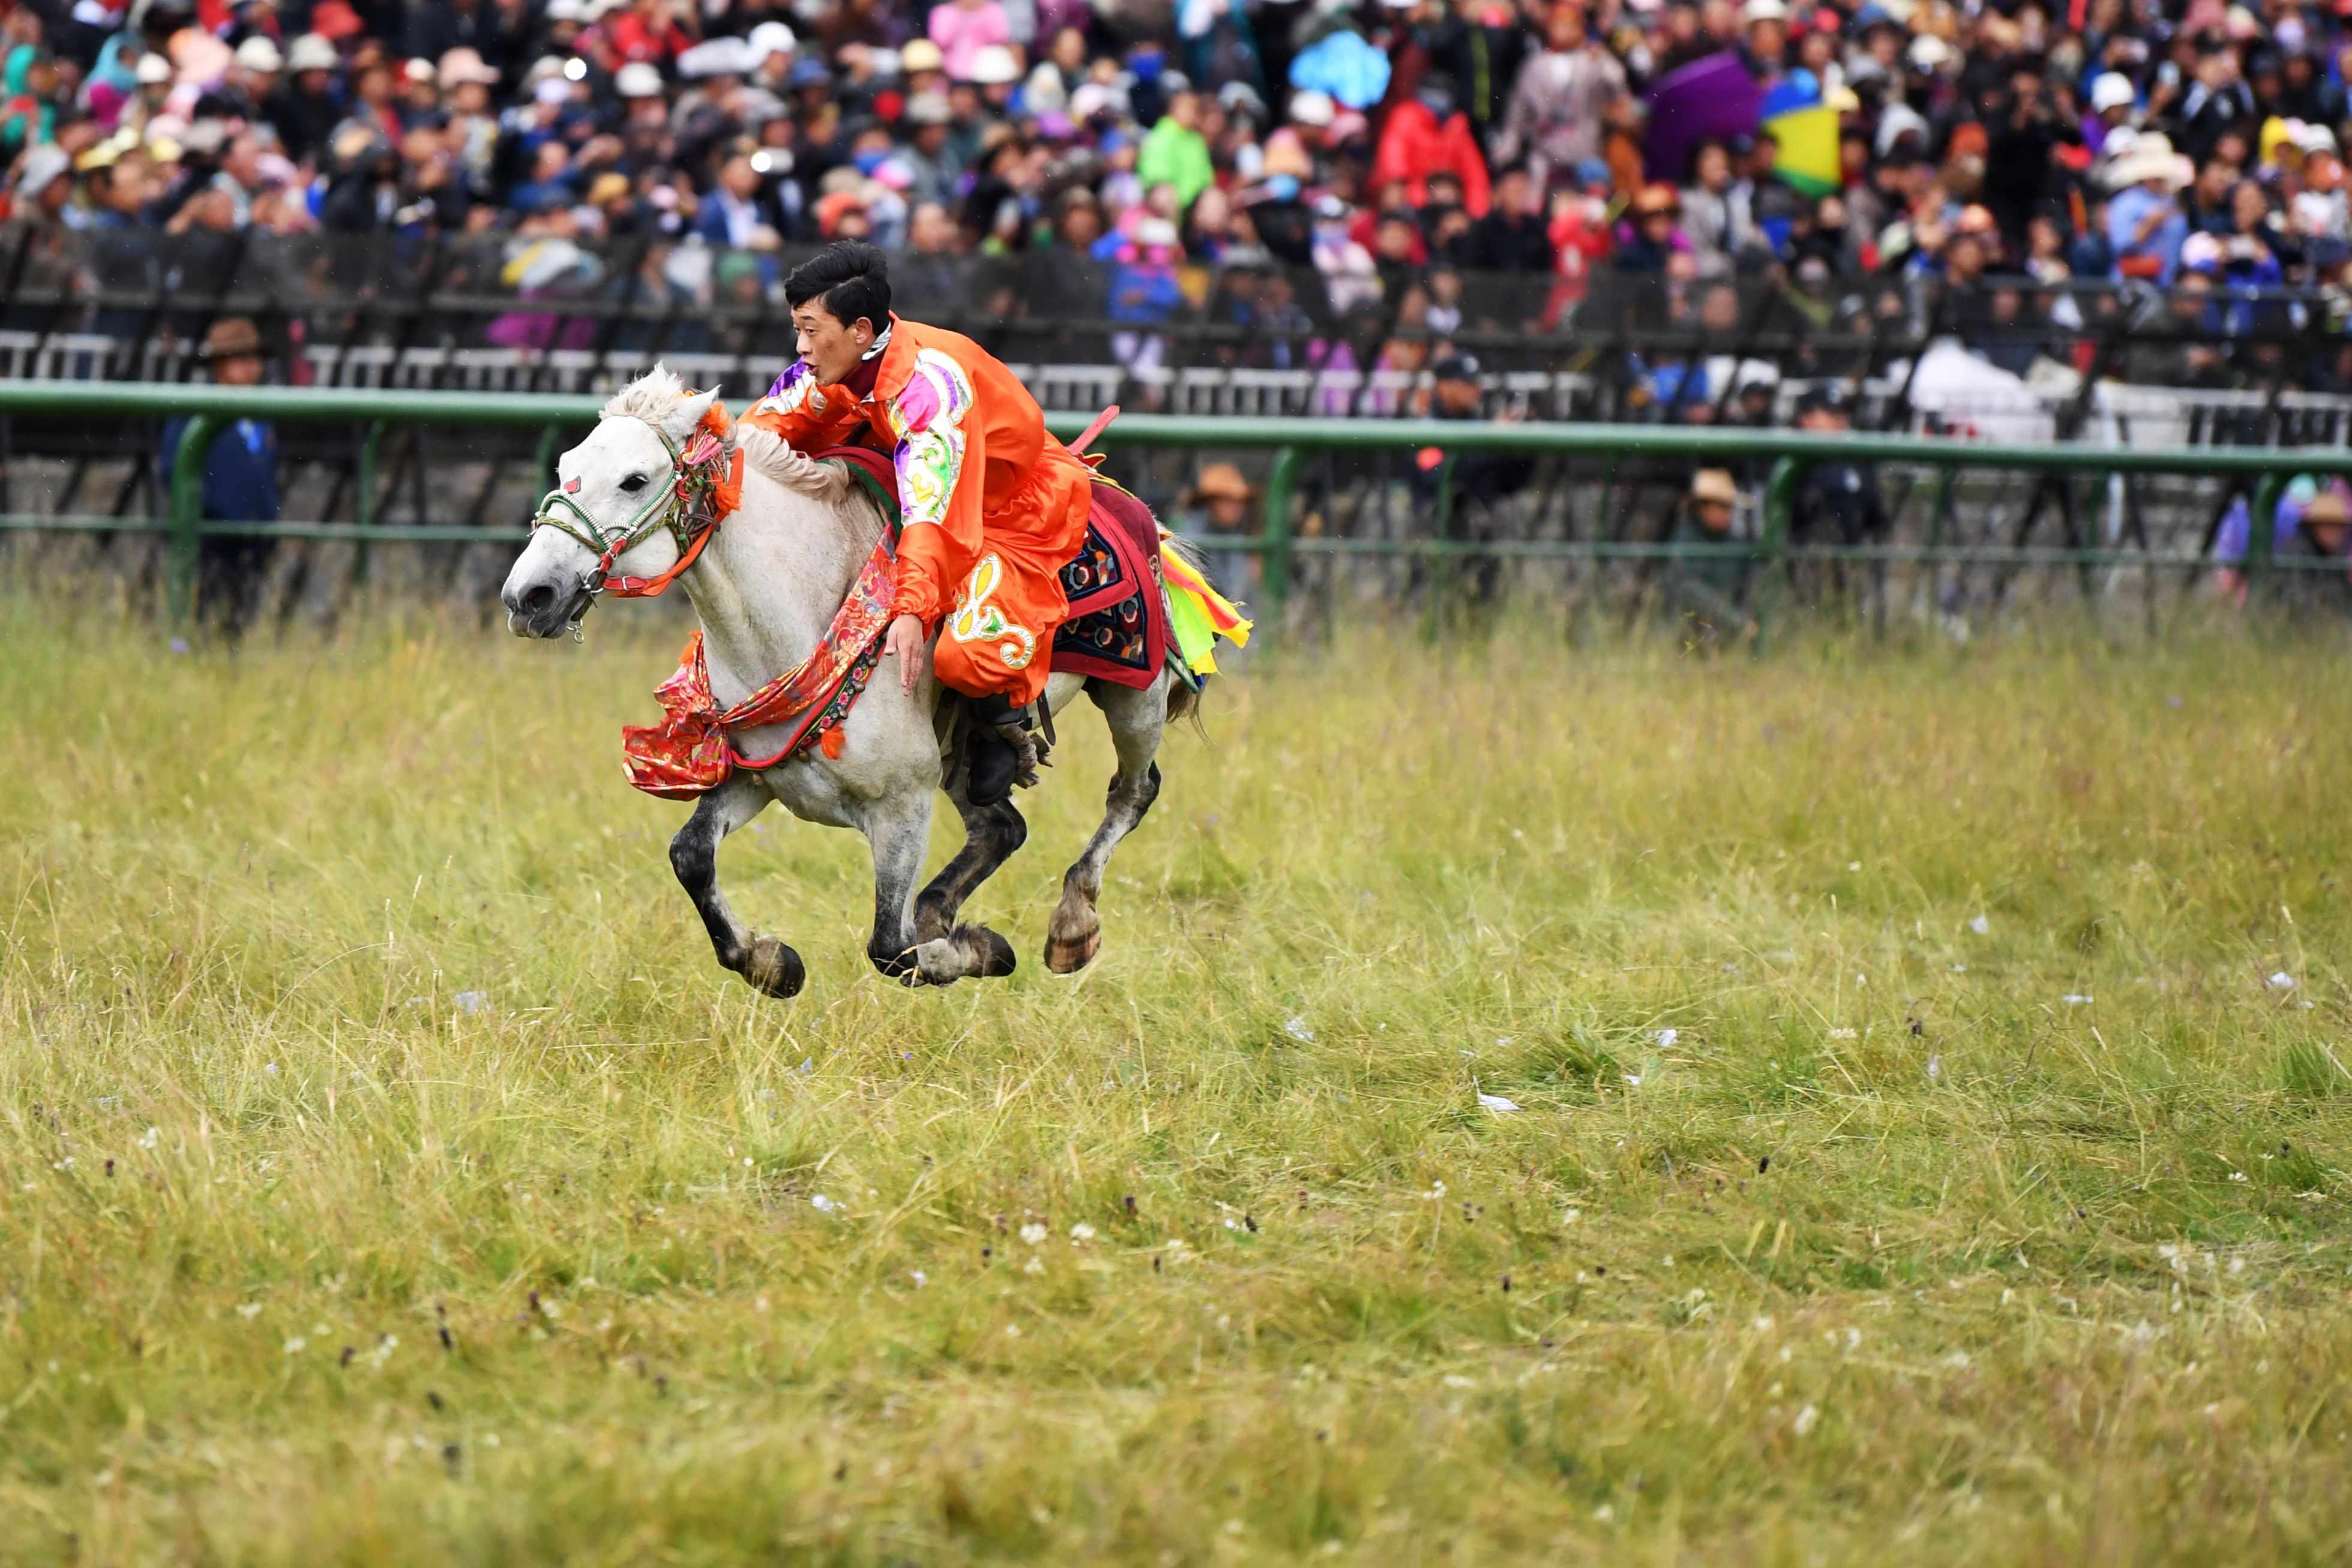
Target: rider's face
(828, 347)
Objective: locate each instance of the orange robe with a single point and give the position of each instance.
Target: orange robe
(993, 505)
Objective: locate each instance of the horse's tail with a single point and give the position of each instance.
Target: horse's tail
(1183, 699)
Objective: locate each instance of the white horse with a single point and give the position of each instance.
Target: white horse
(766, 586)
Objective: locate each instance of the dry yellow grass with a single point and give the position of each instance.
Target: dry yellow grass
(388, 1175)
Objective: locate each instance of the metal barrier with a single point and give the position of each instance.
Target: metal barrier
(210, 408)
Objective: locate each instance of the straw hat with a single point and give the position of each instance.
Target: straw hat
(921, 54)
(462, 65)
(1220, 482)
(2150, 158)
(232, 337)
(1714, 485)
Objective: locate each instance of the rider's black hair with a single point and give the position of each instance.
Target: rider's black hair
(852, 280)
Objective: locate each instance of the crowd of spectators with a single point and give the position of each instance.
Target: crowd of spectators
(1288, 166)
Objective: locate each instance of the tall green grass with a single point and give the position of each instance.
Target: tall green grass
(387, 1175)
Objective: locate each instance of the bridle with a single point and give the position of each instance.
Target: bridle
(688, 506)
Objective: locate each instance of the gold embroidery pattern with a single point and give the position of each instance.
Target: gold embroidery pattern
(977, 619)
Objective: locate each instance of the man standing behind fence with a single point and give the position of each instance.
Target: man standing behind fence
(240, 482)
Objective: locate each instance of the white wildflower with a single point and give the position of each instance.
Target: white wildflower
(1633, 1079)
(1842, 1034)
(1980, 925)
(1935, 1067)
(1853, 865)
(471, 1001)
(2075, 999)
(824, 1205)
(2282, 981)
(1497, 1102)
(297, 1345)
(249, 1311)
(1604, 1514)
(1033, 1233)
(1082, 1232)
(1297, 1029)
(919, 1278)
(1455, 1380)
(148, 1139)
(1666, 1038)
(1807, 1419)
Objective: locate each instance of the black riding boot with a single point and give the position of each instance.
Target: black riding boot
(992, 755)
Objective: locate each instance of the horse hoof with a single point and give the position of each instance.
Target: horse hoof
(940, 961)
(996, 959)
(774, 968)
(1068, 954)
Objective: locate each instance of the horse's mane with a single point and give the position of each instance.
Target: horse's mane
(656, 393)
(651, 396)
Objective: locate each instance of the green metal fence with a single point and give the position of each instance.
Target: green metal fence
(209, 408)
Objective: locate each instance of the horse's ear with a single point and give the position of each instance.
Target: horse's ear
(679, 423)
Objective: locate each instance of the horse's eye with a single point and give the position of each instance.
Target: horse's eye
(634, 483)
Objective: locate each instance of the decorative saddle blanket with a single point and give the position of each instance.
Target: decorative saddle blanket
(1117, 628)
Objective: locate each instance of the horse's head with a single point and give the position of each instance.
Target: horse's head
(616, 486)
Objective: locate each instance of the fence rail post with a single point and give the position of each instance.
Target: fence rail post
(2261, 531)
(1281, 482)
(364, 506)
(181, 552)
(1772, 549)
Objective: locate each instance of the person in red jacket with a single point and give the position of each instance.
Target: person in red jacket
(992, 505)
(1425, 135)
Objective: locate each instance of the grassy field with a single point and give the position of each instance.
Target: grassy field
(1934, 1111)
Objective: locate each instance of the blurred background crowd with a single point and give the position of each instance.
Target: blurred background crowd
(1305, 184)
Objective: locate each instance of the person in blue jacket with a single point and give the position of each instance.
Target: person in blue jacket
(240, 481)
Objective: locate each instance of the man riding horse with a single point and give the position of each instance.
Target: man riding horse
(992, 504)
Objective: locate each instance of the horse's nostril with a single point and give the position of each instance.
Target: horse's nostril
(539, 600)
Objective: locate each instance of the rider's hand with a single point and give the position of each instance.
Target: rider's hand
(905, 643)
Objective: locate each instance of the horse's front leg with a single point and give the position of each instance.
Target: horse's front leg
(899, 828)
(763, 961)
(947, 950)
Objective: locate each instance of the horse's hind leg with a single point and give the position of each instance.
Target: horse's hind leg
(763, 961)
(945, 950)
(1137, 718)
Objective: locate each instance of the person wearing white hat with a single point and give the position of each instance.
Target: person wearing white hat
(301, 109)
(2144, 223)
(1764, 29)
(44, 183)
(2113, 98)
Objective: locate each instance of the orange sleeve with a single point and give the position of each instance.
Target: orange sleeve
(809, 417)
(942, 458)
